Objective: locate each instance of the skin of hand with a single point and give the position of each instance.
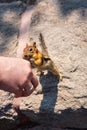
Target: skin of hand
(16, 76)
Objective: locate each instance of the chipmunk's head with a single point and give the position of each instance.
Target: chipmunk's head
(29, 51)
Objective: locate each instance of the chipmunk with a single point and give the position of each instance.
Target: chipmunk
(40, 60)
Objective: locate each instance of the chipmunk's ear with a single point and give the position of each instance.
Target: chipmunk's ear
(34, 44)
(27, 45)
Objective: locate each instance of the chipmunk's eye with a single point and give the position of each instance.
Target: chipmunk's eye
(30, 49)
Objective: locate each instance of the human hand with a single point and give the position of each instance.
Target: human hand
(16, 76)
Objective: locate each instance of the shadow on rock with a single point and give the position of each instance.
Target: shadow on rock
(49, 83)
(67, 6)
(9, 23)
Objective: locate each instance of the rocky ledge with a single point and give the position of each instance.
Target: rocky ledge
(54, 104)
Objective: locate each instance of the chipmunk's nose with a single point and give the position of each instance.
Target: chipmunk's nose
(27, 57)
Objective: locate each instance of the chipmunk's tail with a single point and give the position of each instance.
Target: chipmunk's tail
(43, 45)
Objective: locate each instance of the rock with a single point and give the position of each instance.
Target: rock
(63, 24)
(9, 27)
(9, 24)
(7, 114)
